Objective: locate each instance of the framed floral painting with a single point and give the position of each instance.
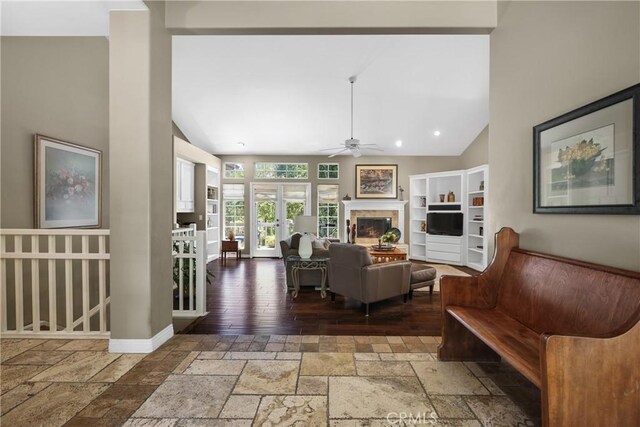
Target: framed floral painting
(68, 184)
(588, 160)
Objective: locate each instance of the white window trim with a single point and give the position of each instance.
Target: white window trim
(338, 225)
(328, 179)
(224, 170)
(255, 170)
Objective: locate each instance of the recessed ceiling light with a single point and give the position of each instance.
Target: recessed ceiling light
(398, 143)
(436, 133)
(241, 144)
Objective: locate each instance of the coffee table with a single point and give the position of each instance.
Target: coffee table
(313, 263)
(379, 256)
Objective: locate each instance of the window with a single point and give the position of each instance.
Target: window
(233, 199)
(328, 170)
(234, 170)
(328, 211)
(265, 170)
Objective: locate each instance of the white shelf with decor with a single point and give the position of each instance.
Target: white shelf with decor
(213, 213)
(445, 194)
(476, 214)
(418, 217)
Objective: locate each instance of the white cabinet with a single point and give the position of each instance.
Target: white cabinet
(213, 213)
(185, 188)
(429, 194)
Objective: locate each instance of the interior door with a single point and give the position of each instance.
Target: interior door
(273, 211)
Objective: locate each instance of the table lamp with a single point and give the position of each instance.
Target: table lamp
(305, 224)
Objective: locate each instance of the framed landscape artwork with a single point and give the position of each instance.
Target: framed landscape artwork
(376, 181)
(588, 161)
(68, 184)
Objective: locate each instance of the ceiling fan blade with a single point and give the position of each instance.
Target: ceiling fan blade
(368, 145)
(372, 149)
(340, 147)
(341, 151)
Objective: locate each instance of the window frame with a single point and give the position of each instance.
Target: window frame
(224, 170)
(278, 168)
(234, 225)
(328, 171)
(318, 216)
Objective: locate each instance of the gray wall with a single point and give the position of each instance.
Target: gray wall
(55, 86)
(407, 165)
(477, 153)
(548, 58)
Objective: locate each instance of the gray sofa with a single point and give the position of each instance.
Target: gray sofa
(353, 274)
(307, 277)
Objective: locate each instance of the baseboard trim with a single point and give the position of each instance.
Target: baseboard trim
(141, 345)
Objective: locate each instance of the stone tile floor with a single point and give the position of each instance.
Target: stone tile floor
(212, 380)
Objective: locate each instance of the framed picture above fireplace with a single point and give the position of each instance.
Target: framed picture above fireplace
(376, 181)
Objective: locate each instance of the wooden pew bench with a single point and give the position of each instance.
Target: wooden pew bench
(570, 327)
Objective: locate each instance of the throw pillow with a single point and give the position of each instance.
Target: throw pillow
(295, 241)
(317, 244)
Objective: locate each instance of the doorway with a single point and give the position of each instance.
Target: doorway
(274, 208)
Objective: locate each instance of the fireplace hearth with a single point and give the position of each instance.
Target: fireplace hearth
(372, 228)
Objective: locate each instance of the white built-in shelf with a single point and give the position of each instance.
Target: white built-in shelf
(477, 222)
(476, 266)
(445, 203)
(476, 192)
(447, 211)
(476, 250)
(476, 235)
(476, 207)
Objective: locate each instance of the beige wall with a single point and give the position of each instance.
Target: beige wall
(59, 87)
(548, 58)
(331, 17)
(407, 165)
(477, 153)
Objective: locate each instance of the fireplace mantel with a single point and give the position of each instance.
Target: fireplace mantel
(377, 205)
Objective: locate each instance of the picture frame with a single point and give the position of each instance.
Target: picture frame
(376, 181)
(68, 184)
(587, 161)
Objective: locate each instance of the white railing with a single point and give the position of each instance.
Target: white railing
(58, 267)
(184, 231)
(189, 274)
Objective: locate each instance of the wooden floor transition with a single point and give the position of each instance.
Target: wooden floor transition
(249, 297)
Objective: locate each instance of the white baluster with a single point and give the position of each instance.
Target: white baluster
(35, 284)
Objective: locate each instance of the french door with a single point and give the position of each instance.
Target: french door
(274, 208)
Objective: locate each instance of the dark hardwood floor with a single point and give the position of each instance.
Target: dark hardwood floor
(250, 297)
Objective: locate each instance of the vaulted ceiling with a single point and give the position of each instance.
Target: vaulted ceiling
(290, 94)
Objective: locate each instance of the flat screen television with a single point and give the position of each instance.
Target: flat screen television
(445, 223)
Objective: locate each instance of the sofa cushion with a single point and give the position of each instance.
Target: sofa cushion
(422, 273)
(295, 241)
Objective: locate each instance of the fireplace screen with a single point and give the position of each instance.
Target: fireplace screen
(372, 228)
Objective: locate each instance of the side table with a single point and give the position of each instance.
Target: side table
(229, 246)
(313, 263)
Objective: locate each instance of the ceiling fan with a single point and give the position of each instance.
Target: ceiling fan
(353, 145)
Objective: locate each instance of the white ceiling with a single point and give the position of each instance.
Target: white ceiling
(290, 94)
(60, 18)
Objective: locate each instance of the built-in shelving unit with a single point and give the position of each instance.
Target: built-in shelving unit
(418, 216)
(476, 239)
(440, 186)
(213, 213)
(425, 194)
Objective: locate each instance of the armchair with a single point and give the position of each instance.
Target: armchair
(353, 274)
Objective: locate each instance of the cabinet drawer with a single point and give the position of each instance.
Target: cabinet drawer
(443, 256)
(451, 240)
(443, 247)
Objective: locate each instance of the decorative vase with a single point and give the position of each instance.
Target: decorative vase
(481, 185)
(441, 198)
(353, 233)
(305, 250)
(451, 197)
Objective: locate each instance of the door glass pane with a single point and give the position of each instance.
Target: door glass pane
(293, 209)
(266, 228)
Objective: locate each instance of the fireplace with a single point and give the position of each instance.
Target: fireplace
(372, 228)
